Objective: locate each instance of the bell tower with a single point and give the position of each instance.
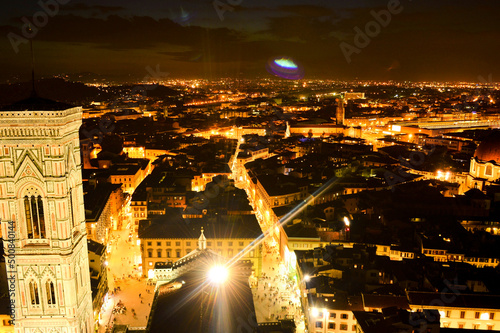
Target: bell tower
(43, 217)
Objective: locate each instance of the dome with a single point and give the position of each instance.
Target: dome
(489, 148)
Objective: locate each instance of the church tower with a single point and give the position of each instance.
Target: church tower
(340, 112)
(43, 217)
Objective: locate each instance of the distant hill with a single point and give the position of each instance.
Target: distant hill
(150, 90)
(74, 93)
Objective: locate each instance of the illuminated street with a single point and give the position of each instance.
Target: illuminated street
(276, 297)
(277, 294)
(123, 273)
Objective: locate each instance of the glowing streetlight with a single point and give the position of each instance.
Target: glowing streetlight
(307, 278)
(346, 221)
(218, 274)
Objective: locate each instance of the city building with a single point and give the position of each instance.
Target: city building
(206, 293)
(98, 276)
(128, 175)
(100, 199)
(394, 320)
(459, 310)
(41, 207)
(485, 165)
(170, 237)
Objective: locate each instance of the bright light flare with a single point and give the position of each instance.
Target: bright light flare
(346, 221)
(286, 63)
(218, 274)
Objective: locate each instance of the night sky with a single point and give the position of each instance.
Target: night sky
(423, 40)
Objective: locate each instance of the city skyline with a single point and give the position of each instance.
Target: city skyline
(381, 40)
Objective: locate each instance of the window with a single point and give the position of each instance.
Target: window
(344, 316)
(188, 243)
(462, 314)
(319, 324)
(460, 325)
(168, 253)
(219, 243)
(209, 243)
(354, 327)
(178, 253)
(241, 244)
(490, 327)
(475, 326)
(71, 207)
(150, 253)
(51, 293)
(158, 243)
(492, 315)
(448, 314)
(343, 327)
(331, 326)
(159, 253)
(477, 315)
(333, 315)
(230, 243)
(489, 171)
(168, 243)
(150, 243)
(177, 243)
(35, 298)
(35, 220)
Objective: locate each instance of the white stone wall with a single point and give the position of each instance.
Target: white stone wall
(40, 154)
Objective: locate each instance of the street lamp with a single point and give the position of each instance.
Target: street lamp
(347, 227)
(346, 221)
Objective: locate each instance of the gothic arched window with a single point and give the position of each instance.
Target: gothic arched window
(72, 217)
(35, 218)
(34, 297)
(51, 292)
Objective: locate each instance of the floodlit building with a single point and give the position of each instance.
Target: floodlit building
(485, 165)
(170, 237)
(203, 292)
(42, 211)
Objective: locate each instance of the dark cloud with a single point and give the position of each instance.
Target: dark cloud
(307, 10)
(83, 7)
(444, 39)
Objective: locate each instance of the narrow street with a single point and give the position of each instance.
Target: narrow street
(132, 293)
(277, 293)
